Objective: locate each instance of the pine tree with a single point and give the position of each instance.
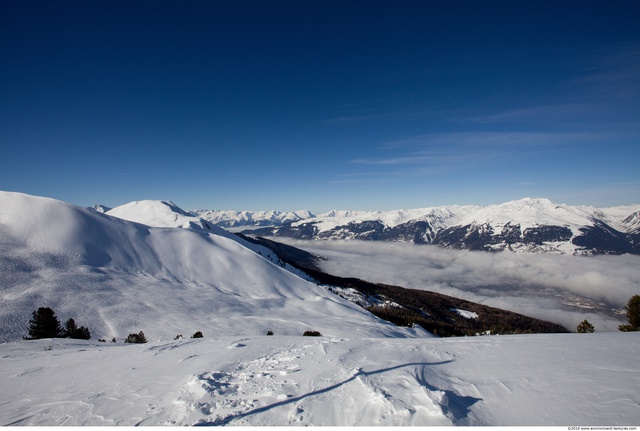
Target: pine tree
(44, 324)
(633, 315)
(138, 338)
(585, 327)
(82, 333)
(70, 328)
(312, 334)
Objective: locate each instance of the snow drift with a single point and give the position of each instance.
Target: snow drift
(561, 380)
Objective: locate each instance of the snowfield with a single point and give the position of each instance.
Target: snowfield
(149, 266)
(562, 380)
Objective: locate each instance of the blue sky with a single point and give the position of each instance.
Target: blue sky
(321, 104)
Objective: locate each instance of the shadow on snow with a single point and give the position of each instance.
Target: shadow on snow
(456, 407)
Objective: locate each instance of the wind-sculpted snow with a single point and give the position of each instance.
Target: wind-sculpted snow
(118, 277)
(534, 380)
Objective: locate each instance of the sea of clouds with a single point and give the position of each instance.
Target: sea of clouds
(560, 288)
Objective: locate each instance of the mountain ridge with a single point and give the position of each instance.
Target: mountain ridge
(149, 265)
(528, 225)
(117, 276)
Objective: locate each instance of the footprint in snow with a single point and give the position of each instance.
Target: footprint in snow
(237, 345)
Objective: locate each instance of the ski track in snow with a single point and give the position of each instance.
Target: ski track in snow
(589, 379)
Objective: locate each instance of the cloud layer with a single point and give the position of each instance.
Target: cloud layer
(562, 289)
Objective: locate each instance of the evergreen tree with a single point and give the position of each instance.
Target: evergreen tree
(71, 330)
(585, 327)
(138, 338)
(82, 334)
(312, 334)
(44, 324)
(633, 315)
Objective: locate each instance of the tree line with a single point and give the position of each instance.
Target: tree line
(45, 324)
(434, 312)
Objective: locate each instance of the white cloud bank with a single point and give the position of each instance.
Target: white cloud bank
(562, 289)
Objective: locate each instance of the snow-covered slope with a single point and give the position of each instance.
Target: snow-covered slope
(100, 208)
(159, 214)
(525, 225)
(532, 380)
(118, 277)
(167, 214)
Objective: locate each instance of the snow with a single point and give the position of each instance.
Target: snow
(534, 380)
(466, 313)
(157, 214)
(239, 219)
(530, 213)
(438, 217)
(526, 212)
(117, 277)
(161, 270)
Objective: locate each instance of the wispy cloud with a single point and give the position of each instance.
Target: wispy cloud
(604, 90)
(367, 114)
(468, 149)
(613, 73)
(489, 139)
(396, 160)
(353, 119)
(360, 178)
(553, 113)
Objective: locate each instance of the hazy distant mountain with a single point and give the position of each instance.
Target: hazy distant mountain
(232, 218)
(99, 208)
(525, 225)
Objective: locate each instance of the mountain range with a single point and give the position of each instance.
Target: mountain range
(150, 266)
(524, 226)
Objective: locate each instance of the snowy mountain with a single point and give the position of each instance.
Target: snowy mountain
(160, 214)
(525, 226)
(100, 208)
(234, 219)
(118, 277)
(177, 274)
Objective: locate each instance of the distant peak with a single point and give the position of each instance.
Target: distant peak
(532, 201)
(100, 208)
